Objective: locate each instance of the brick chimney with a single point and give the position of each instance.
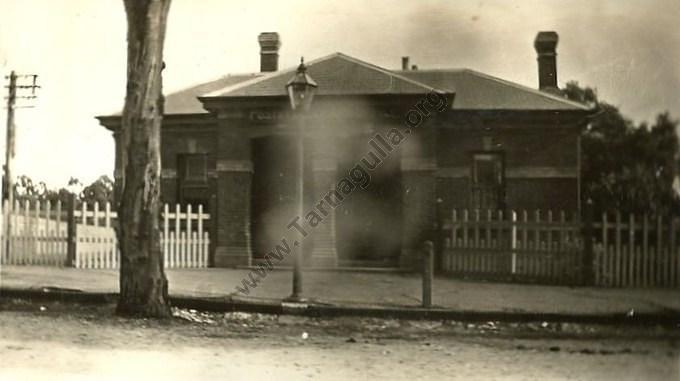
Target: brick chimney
(545, 45)
(404, 63)
(269, 51)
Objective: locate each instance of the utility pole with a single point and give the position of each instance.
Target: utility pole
(12, 97)
(9, 141)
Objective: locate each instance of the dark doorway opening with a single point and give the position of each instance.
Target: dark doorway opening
(273, 196)
(369, 221)
(488, 181)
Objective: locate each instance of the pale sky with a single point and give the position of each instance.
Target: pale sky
(628, 49)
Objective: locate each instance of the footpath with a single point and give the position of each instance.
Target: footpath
(386, 294)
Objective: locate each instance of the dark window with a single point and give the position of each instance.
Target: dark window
(194, 168)
(487, 181)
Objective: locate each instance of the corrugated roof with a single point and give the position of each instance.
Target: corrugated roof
(478, 91)
(339, 74)
(186, 101)
(336, 74)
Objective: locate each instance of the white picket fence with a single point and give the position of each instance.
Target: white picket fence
(39, 236)
(185, 247)
(96, 243)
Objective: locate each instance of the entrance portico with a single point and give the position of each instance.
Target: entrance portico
(361, 227)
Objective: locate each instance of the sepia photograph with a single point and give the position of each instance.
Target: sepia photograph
(340, 190)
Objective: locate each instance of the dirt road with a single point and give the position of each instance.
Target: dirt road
(65, 342)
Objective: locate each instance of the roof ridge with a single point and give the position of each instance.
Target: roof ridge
(386, 71)
(526, 88)
(392, 75)
(459, 69)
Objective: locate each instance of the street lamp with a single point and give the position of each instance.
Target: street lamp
(301, 89)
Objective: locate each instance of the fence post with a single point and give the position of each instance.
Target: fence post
(439, 235)
(212, 232)
(513, 242)
(6, 231)
(71, 231)
(428, 271)
(587, 268)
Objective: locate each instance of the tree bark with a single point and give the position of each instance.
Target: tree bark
(143, 284)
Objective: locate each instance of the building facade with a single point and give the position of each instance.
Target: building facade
(387, 155)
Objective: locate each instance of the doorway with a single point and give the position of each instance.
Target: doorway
(369, 221)
(274, 199)
(488, 181)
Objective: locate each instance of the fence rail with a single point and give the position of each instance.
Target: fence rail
(40, 233)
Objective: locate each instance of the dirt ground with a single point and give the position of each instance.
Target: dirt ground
(56, 341)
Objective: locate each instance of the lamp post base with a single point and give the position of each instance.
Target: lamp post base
(295, 298)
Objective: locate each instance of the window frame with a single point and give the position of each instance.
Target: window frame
(185, 177)
(498, 188)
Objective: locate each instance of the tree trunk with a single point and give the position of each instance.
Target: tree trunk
(143, 284)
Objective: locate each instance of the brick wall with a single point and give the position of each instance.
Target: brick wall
(228, 186)
(540, 164)
(234, 182)
(418, 215)
(545, 194)
(418, 164)
(522, 146)
(233, 246)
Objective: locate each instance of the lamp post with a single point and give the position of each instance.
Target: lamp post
(73, 189)
(301, 89)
